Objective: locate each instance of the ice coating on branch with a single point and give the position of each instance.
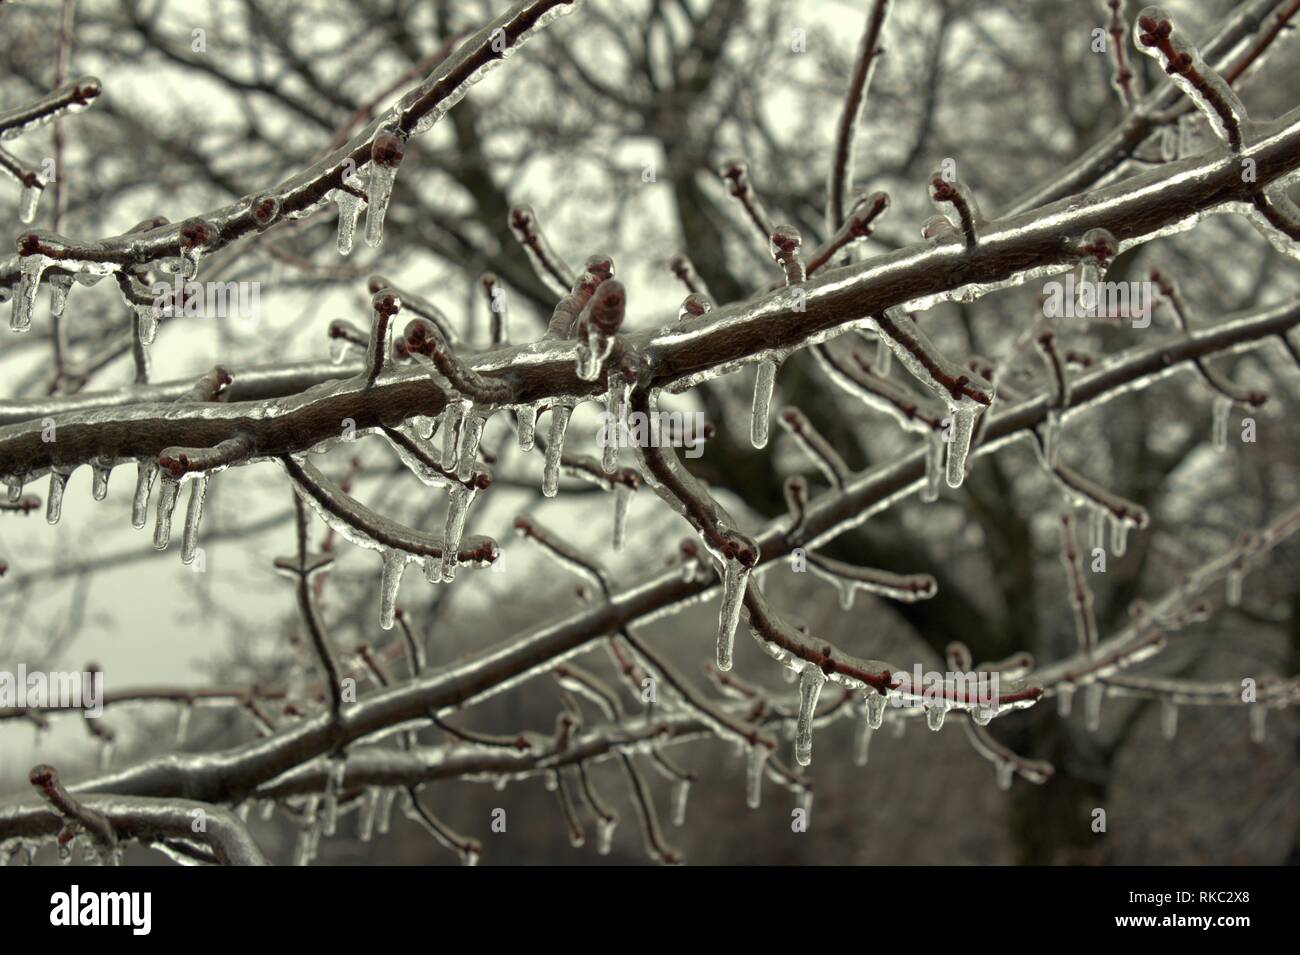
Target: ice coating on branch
(386, 152)
(811, 681)
(560, 415)
(598, 324)
(349, 204)
(54, 500)
(168, 490)
(1212, 95)
(146, 472)
(193, 515)
(761, 412)
(956, 203)
(756, 755)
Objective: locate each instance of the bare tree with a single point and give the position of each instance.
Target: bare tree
(1053, 372)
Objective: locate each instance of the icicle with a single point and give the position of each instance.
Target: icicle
(899, 727)
(1258, 722)
(875, 709)
(935, 712)
(16, 488)
(622, 503)
(1093, 694)
(27, 203)
(1051, 437)
(761, 413)
(811, 681)
(735, 576)
(1222, 407)
(862, 743)
(1064, 699)
(1118, 535)
(983, 715)
(1168, 718)
(469, 442)
(59, 286)
(963, 427)
(146, 470)
(169, 489)
(379, 186)
(183, 724)
(681, 792)
(453, 426)
(527, 426)
(193, 515)
(560, 415)
(884, 357)
(1235, 579)
(99, 481)
(336, 771)
(1006, 771)
(934, 445)
(615, 399)
(605, 834)
(806, 803)
(1097, 527)
(32, 267)
(390, 582)
(458, 501)
(54, 501)
(385, 813)
(146, 322)
(756, 762)
(366, 820)
(267, 810)
(349, 212)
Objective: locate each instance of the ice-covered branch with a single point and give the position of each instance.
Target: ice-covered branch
(550, 268)
(840, 181)
(1122, 75)
(71, 97)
